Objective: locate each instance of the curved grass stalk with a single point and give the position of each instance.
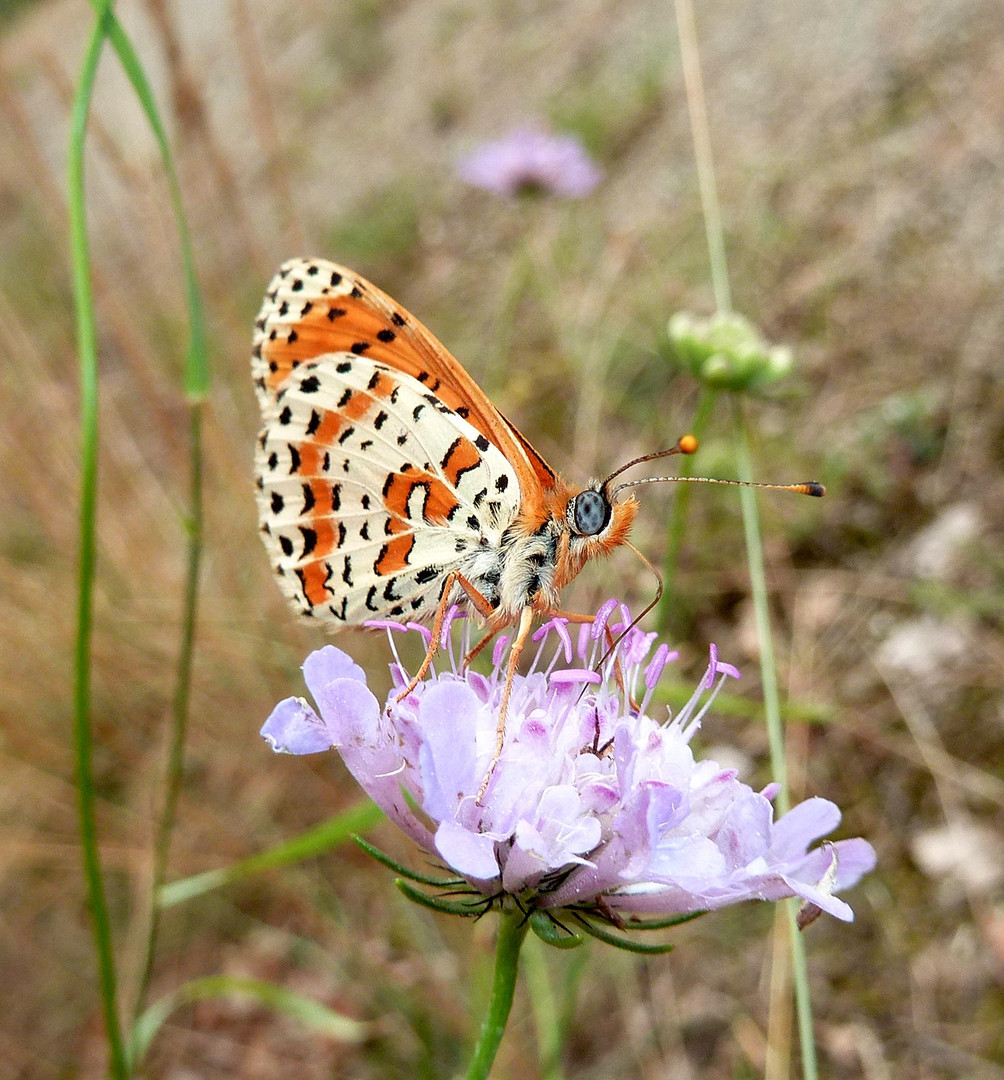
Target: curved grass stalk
(316, 841)
(196, 389)
(88, 366)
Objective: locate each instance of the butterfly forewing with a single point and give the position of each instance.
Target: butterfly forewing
(315, 307)
(371, 489)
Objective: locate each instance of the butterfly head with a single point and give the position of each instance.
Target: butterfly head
(590, 523)
(595, 521)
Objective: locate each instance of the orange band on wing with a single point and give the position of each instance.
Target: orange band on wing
(438, 501)
(394, 555)
(329, 428)
(357, 405)
(310, 459)
(461, 456)
(312, 577)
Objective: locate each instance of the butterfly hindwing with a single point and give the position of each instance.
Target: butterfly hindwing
(371, 489)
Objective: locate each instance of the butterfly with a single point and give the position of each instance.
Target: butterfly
(389, 486)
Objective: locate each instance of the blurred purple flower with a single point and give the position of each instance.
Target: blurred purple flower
(531, 160)
(593, 805)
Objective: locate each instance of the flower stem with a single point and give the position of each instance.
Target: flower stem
(803, 996)
(761, 607)
(772, 712)
(512, 931)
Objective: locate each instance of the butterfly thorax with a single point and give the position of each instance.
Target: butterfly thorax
(538, 555)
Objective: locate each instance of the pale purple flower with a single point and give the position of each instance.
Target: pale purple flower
(593, 805)
(531, 159)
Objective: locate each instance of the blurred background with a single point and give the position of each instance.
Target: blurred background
(859, 151)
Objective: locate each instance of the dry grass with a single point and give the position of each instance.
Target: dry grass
(860, 160)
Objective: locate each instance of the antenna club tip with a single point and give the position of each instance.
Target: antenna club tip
(811, 487)
(687, 444)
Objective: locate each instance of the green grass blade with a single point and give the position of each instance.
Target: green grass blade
(309, 1012)
(196, 388)
(197, 364)
(329, 834)
(89, 431)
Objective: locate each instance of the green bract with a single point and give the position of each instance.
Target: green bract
(726, 352)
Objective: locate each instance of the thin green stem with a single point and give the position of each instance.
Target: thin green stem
(772, 711)
(537, 979)
(179, 709)
(691, 58)
(87, 349)
(512, 931)
(666, 620)
(803, 996)
(761, 606)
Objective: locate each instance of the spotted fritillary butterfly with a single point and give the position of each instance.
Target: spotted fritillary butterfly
(388, 483)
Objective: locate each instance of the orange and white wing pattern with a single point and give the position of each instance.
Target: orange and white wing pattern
(374, 482)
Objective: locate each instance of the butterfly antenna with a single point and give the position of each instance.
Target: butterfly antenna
(807, 487)
(685, 444)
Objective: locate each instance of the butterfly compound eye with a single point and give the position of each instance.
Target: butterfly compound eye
(590, 513)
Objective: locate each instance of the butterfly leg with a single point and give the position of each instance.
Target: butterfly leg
(477, 649)
(480, 604)
(522, 633)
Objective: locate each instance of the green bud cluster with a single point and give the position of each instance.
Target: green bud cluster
(726, 352)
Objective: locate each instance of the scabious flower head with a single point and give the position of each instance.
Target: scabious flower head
(531, 160)
(594, 805)
(726, 351)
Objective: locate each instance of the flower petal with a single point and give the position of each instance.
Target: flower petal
(294, 728)
(447, 718)
(469, 853)
(327, 664)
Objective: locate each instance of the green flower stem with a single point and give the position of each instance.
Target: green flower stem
(666, 620)
(761, 608)
(803, 996)
(87, 349)
(537, 976)
(772, 711)
(512, 931)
